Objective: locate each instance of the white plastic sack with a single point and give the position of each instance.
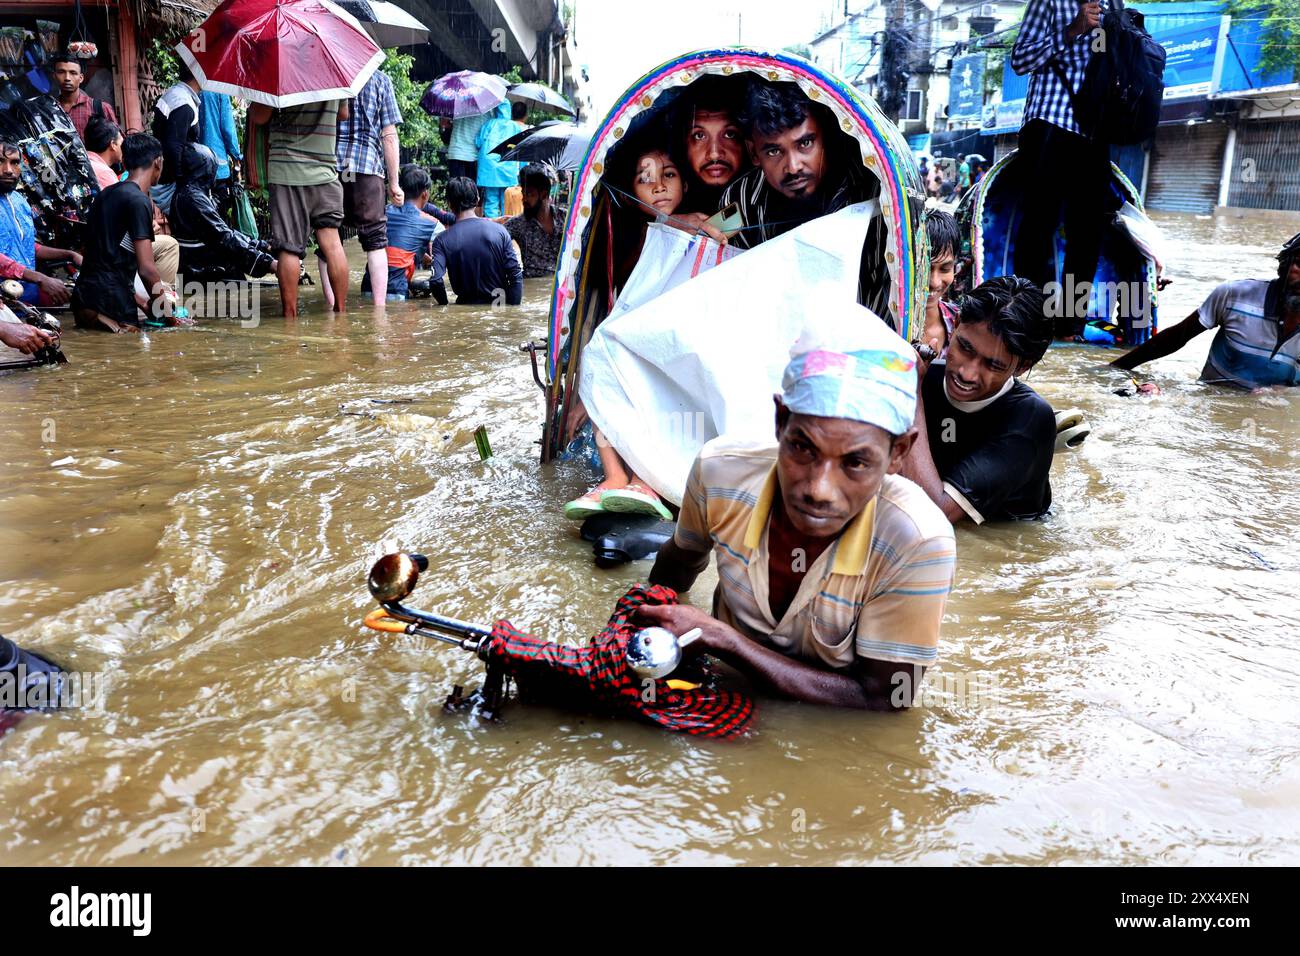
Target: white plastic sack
(705, 357)
(668, 258)
(1146, 235)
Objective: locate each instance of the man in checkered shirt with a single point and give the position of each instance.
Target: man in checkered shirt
(1068, 173)
(368, 168)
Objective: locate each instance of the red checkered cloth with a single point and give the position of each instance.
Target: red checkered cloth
(597, 676)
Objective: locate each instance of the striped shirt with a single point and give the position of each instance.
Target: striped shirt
(767, 214)
(878, 592)
(463, 145)
(1248, 350)
(301, 145)
(83, 109)
(1042, 42)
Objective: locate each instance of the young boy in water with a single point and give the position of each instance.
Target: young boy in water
(410, 232)
(658, 188)
(940, 315)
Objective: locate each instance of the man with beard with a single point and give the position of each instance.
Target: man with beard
(18, 238)
(1256, 345)
(540, 230)
(799, 174)
(804, 171)
(714, 141)
(66, 72)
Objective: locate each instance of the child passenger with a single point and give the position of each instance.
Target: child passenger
(940, 315)
(658, 188)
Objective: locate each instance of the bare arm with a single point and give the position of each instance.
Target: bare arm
(389, 134)
(50, 254)
(920, 468)
(1163, 343)
(677, 568)
(25, 338)
(53, 289)
(148, 270)
(865, 685)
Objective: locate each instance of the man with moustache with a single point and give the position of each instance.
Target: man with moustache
(800, 175)
(714, 141)
(539, 231)
(18, 245)
(1256, 345)
(67, 74)
(832, 570)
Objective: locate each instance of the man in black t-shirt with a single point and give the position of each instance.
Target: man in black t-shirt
(986, 440)
(119, 244)
(476, 254)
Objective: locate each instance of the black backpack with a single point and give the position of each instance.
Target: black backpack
(1124, 85)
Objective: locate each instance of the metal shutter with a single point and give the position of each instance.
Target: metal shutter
(1266, 165)
(1186, 163)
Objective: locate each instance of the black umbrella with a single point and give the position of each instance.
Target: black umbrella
(387, 23)
(559, 143)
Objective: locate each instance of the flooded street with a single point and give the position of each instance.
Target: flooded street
(191, 514)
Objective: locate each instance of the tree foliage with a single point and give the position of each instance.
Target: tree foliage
(1280, 35)
(419, 131)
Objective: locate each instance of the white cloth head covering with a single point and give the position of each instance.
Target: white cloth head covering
(847, 363)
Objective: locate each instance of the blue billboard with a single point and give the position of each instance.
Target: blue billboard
(1189, 57)
(966, 87)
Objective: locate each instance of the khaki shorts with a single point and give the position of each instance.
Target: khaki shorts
(296, 211)
(364, 209)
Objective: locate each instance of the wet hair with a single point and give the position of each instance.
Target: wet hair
(101, 133)
(183, 72)
(941, 228)
(518, 111)
(414, 180)
(462, 194)
(708, 94)
(1014, 310)
(771, 108)
(66, 57)
(139, 150)
(1290, 252)
(537, 176)
(653, 137)
(7, 148)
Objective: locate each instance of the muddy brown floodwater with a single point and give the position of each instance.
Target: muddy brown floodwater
(189, 514)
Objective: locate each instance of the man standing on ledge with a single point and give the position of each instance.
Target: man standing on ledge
(1058, 165)
(832, 570)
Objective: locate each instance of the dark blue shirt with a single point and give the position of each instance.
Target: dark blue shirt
(477, 256)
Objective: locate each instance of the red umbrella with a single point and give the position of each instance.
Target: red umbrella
(281, 52)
